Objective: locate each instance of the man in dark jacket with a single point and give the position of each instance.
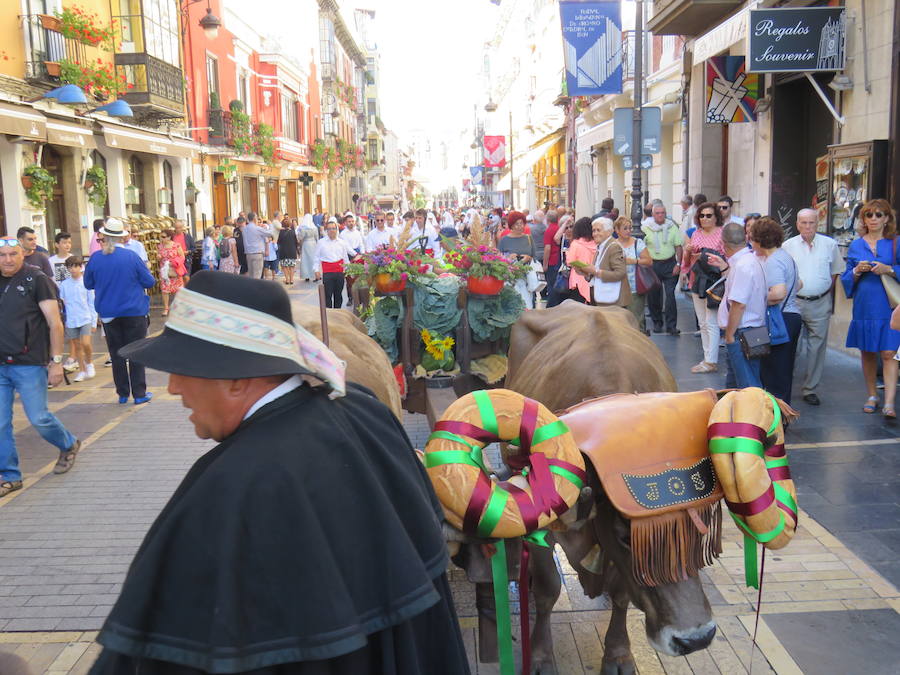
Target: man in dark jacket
(29, 308)
(308, 541)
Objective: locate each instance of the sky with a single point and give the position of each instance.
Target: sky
(431, 53)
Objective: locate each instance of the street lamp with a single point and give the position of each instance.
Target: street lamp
(210, 23)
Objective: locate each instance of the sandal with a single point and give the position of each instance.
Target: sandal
(704, 367)
(888, 412)
(8, 486)
(165, 312)
(871, 405)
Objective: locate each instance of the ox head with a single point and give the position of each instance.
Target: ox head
(598, 544)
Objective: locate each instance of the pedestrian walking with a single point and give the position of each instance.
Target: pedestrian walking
(185, 240)
(379, 235)
(743, 304)
(308, 234)
(636, 253)
(870, 257)
(63, 244)
(609, 270)
(550, 258)
(81, 317)
(270, 258)
(287, 250)
(31, 345)
(783, 283)
(253, 236)
(133, 244)
(664, 242)
(248, 534)
(34, 257)
(519, 245)
(819, 263)
(699, 276)
(228, 255)
(172, 270)
(118, 278)
(331, 255)
(209, 256)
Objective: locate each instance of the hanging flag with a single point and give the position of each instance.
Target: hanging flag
(477, 174)
(494, 151)
(592, 46)
(731, 92)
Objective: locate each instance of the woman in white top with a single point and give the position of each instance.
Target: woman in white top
(307, 235)
(332, 253)
(636, 253)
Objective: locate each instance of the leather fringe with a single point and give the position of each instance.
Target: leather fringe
(669, 548)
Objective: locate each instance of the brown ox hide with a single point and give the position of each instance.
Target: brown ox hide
(573, 352)
(367, 364)
(560, 357)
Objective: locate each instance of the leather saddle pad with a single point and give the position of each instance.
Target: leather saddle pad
(649, 450)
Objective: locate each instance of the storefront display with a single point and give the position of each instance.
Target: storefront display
(857, 172)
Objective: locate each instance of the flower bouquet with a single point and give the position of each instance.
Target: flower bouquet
(484, 268)
(438, 352)
(387, 268)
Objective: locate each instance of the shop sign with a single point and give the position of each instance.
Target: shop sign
(623, 130)
(721, 37)
(592, 47)
(731, 93)
(788, 40)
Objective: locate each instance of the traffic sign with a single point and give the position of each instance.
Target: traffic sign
(623, 127)
(646, 162)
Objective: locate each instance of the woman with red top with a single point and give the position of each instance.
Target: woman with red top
(582, 249)
(706, 238)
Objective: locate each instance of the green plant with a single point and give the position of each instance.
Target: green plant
(77, 24)
(97, 192)
(101, 80)
(400, 265)
(236, 106)
(241, 132)
(265, 143)
(214, 103)
(42, 184)
(469, 260)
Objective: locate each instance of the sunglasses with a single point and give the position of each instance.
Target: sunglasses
(707, 215)
(8, 241)
(874, 214)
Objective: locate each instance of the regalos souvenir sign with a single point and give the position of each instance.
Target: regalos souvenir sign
(791, 40)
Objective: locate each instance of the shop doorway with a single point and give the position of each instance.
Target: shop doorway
(803, 130)
(250, 194)
(55, 207)
(220, 198)
(291, 199)
(273, 197)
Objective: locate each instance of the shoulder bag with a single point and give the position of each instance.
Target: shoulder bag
(778, 332)
(890, 283)
(645, 279)
(605, 292)
(561, 284)
(755, 342)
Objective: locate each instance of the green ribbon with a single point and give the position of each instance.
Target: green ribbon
(501, 607)
(486, 411)
(538, 538)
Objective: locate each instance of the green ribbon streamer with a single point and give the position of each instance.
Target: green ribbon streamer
(568, 475)
(538, 538)
(501, 607)
(493, 511)
(486, 411)
(544, 433)
(726, 446)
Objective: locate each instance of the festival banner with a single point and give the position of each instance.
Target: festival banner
(731, 92)
(494, 151)
(592, 46)
(477, 174)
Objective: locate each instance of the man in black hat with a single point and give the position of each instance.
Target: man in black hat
(309, 540)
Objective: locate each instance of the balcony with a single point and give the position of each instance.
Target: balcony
(689, 17)
(46, 47)
(326, 72)
(222, 132)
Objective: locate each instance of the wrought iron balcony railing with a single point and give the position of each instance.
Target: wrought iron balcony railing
(46, 47)
(222, 131)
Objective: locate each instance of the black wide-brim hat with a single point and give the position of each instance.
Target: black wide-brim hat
(176, 352)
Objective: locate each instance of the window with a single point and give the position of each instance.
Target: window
(136, 178)
(161, 30)
(212, 76)
(371, 109)
(99, 161)
(373, 149)
(289, 116)
(243, 89)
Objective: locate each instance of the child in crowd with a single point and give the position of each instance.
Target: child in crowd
(63, 243)
(270, 259)
(81, 317)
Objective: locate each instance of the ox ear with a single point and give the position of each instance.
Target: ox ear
(788, 414)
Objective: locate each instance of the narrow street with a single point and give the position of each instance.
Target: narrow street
(68, 539)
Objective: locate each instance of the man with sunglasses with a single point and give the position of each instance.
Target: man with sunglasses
(379, 235)
(819, 263)
(31, 346)
(725, 205)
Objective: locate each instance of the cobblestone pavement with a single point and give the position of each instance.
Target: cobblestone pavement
(66, 541)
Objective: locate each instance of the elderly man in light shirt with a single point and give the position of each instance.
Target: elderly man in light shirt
(818, 263)
(134, 245)
(743, 305)
(254, 236)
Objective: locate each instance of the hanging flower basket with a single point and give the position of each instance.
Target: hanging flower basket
(50, 22)
(387, 286)
(53, 68)
(486, 285)
(26, 182)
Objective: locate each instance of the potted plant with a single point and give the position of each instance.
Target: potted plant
(95, 184)
(38, 184)
(50, 22)
(438, 353)
(190, 192)
(388, 269)
(484, 268)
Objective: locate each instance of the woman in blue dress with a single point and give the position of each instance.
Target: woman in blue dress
(872, 255)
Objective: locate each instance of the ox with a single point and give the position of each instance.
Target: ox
(560, 357)
(367, 364)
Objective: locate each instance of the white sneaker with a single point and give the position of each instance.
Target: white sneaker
(79, 377)
(71, 365)
(90, 372)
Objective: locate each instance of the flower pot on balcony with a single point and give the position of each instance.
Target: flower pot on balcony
(88, 184)
(26, 182)
(485, 285)
(53, 68)
(50, 22)
(384, 284)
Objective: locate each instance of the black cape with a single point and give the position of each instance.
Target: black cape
(307, 542)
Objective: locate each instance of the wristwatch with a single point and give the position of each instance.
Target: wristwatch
(56, 359)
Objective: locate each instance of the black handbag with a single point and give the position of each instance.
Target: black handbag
(755, 342)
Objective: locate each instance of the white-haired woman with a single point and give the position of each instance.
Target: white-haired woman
(609, 276)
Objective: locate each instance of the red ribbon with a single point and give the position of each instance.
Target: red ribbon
(733, 429)
(754, 506)
(466, 429)
(479, 499)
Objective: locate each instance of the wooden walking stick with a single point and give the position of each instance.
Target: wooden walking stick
(323, 312)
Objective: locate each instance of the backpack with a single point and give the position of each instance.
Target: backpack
(224, 249)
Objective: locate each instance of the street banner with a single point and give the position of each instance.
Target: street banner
(731, 92)
(494, 151)
(477, 174)
(592, 46)
(467, 184)
(791, 40)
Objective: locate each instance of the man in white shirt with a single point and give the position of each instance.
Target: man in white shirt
(743, 305)
(351, 235)
(726, 208)
(687, 213)
(379, 236)
(421, 230)
(390, 224)
(136, 246)
(818, 263)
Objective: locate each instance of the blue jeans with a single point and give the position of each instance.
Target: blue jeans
(31, 383)
(746, 371)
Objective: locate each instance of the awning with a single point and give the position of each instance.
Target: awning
(18, 120)
(126, 138)
(72, 135)
(595, 136)
(504, 184)
(530, 158)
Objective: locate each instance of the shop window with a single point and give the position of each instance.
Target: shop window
(135, 186)
(55, 207)
(212, 76)
(99, 160)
